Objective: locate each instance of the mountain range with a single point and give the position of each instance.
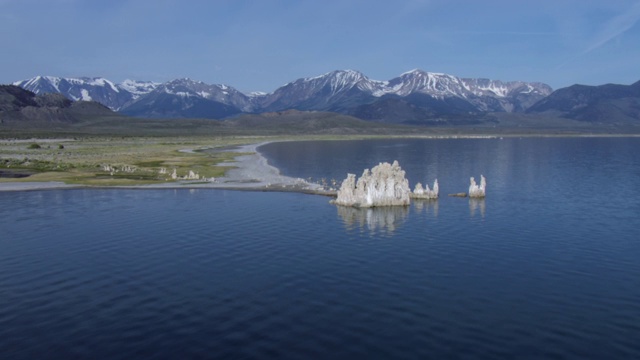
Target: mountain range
(25, 114)
(416, 97)
(413, 97)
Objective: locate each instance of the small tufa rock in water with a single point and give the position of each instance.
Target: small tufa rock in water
(384, 185)
(477, 191)
(421, 193)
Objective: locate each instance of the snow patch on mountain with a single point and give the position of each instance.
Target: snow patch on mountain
(138, 88)
(85, 95)
(102, 82)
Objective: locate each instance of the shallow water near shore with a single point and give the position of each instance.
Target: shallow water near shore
(545, 267)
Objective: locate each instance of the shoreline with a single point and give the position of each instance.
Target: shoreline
(251, 172)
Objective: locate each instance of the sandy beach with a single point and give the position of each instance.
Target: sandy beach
(253, 171)
(250, 172)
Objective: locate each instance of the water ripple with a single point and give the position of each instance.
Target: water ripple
(218, 274)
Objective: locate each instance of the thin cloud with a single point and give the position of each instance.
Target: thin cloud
(615, 27)
(519, 33)
(612, 29)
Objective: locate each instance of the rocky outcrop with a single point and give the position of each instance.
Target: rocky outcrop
(112, 170)
(425, 193)
(162, 173)
(477, 191)
(190, 176)
(384, 185)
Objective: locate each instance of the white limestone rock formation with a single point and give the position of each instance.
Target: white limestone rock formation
(129, 169)
(192, 176)
(347, 193)
(384, 185)
(477, 191)
(425, 193)
(124, 168)
(110, 169)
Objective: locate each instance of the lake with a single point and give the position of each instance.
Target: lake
(545, 267)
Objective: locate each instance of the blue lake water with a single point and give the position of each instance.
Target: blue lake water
(545, 267)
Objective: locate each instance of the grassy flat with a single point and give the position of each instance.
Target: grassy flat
(135, 161)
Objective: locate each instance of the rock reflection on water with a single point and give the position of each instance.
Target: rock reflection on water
(476, 205)
(427, 205)
(384, 219)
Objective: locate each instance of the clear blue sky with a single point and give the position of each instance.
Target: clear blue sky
(262, 44)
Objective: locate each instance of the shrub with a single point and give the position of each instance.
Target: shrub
(34, 146)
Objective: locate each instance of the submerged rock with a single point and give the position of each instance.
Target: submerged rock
(425, 193)
(384, 185)
(477, 191)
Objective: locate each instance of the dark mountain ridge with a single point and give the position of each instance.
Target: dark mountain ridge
(607, 103)
(18, 105)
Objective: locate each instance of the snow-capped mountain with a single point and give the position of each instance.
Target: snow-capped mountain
(443, 85)
(221, 93)
(342, 90)
(114, 96)
(334, 91)
(420, 93)
(434, 84)
(190, 99)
